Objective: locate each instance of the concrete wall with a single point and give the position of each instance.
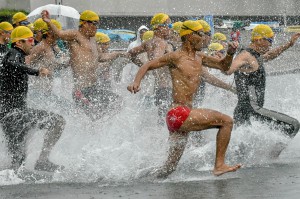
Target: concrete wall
(172, 7)
(16, 4)
(180, 7)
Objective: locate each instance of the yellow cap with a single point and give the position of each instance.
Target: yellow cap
(189, 26)
(89, 15)
(159, 18)
(262, 31)
(205, 25)
(102, 38)
(19, 16)
(40, 25)
(19, 33)
(215, 47)
(148, 35)
(218, 37)
(56, 23)
(6, 26)
(176, 26)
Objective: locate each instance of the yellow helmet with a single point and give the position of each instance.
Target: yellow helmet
(6, 26)
(19, 33)
(218, 37)
(102, 38)
(205, 25)
(19, 16)
(40, 25)
(159, 18)
(89, 15)
(262, 31)
(176, 26)
(148, 35)
(190, 26)
(215, 47)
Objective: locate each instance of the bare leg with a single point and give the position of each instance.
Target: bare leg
(223, 138)
(201, 119)
(177, 145)
(52, 136)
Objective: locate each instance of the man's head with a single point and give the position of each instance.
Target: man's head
(207, 32)
(5, 31)
(20, 19)
(262, 37)
(103, 41)
(192, 32)
(161, 23)
(41, 27)
(89, 22)
(22, 37)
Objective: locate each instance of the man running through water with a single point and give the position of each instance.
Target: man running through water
(15, 117)
(155, 48)
(84, 60)
(186, 68)
(250, 80)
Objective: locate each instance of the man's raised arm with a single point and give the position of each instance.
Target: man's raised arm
(272, 54)
(63, 34)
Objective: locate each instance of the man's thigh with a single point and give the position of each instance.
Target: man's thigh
(201, 119)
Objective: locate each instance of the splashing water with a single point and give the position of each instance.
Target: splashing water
(114, 149)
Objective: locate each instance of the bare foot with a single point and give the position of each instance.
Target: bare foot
(225, 168)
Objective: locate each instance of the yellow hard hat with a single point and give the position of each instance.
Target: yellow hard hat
(205, 25)
(262, 31)
(148, 35)
(19, 16)
(176, 26)
(39, 24)
(102, 38)
(19, 33)
(218, 37)
(89, 15)
(215, 47)
(159, 18)
(190, 26)
(6, 26)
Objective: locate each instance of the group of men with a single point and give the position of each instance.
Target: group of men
(180, 67)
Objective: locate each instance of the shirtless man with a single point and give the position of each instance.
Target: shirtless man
(84, 58)
(155, 48)
(44, 54)
(186, 68)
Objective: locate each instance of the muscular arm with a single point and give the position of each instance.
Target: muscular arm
(211, 79)
(272, 54)
(105, 57)
(154, 64)
(221, 64)
(134, 52)
(239, 61)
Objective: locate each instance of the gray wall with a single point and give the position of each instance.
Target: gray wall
(172, 7)
(181, 7)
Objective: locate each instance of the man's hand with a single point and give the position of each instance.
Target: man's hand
(44, 72)
(232, 47)
(46, 16)
(294, 38)
(134, 88)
